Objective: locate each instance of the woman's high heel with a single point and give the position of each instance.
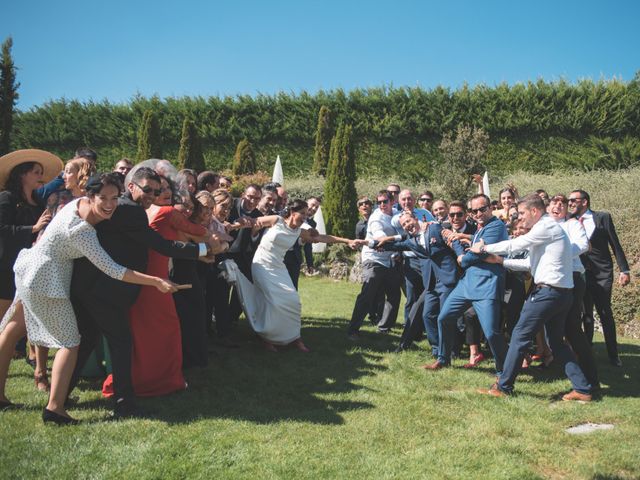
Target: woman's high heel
(301, 346)
(42, 382)
(52, 417)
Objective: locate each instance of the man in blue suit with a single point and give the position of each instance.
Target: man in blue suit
(438, 269)
(481, 286)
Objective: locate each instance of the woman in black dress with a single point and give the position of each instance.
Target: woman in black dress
(22, 213)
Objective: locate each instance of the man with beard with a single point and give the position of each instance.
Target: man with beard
(599, 268)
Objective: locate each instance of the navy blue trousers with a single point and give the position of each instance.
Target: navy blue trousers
(546, 307)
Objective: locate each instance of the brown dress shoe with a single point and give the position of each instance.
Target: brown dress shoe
(493, 391)
(433, 366)
(576, 396)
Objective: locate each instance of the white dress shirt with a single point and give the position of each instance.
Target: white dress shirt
(421, 214)
(378, 226)
(550, 256)
(587, 221)
(579, 241)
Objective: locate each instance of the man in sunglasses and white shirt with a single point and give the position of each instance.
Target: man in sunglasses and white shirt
(381, 277)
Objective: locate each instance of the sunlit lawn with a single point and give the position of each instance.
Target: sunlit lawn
(342, 411)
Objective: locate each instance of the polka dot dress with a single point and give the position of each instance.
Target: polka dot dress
(43, 278)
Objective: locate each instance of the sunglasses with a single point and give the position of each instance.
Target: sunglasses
(382, 202)
(574, 200)
(360, 204)
(425, 199)
(456, 214)
(394, 192)
(475, 211)
(147, 189)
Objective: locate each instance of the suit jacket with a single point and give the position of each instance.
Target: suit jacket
(361, 229)
(482, 280)
(598, 260)
(126, 237)
(436, 259)
(242, 243)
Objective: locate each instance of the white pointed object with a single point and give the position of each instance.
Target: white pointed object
(485, 184)
(278, 176)
(322, 230)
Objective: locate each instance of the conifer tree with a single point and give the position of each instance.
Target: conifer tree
(244, 161)
(323, 142)
(149, 139)
(8, 95)
(340, 191)
(190, 154)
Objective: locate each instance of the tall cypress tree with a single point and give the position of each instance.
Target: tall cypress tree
(340, 195)
(149, 139)
(323, 142)
(190, 154)
(8, 95)
(244, 160)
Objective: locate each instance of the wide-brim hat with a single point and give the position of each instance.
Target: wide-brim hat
(51, 164)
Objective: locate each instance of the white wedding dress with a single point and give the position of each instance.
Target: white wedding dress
(271, 303)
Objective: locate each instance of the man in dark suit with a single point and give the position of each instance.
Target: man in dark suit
(438, 269)
(599, 268)
(244, 245)
(481, 286)
(101, 303)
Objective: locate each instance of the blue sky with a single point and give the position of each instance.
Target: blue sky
(114, 49)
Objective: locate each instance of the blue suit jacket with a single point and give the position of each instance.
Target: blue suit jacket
(437, 258)
(482, 280)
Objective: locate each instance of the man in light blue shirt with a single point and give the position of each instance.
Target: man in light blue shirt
(411, 266)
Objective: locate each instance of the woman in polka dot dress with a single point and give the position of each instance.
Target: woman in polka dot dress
(43, 277)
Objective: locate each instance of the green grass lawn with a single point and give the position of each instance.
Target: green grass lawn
(341, 411)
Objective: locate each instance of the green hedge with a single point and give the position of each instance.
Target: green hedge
(536, 126)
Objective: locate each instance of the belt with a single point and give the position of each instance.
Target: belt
(560, 289)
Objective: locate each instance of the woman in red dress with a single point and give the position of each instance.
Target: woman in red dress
(156, 367)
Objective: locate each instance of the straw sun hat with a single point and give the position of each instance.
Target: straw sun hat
(51, 164)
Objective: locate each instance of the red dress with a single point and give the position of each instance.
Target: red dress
(156, 366)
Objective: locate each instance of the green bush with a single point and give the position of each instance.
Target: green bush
(323, 142)
(190, 154)
(340, 192)
(244, 161)
(149, 139)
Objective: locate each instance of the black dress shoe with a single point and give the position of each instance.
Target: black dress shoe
(615, 361)
(9, 406)
(52, 417)
(128, 409)
(227, 343)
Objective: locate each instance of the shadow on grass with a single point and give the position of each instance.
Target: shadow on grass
(258, 386)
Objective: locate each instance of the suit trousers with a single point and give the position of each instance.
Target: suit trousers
(217, 296)
(413, 285)
(598, 293)
(574, 334)
(423, 317)
(488, 311)
(546, 307)
(378, 280)
(96, 316)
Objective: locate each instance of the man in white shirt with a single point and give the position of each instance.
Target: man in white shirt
(381, 277)
(557, 209)
(551, 263)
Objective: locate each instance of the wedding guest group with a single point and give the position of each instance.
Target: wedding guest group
(160, 263)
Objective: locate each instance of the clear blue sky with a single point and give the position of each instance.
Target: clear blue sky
(85, 49)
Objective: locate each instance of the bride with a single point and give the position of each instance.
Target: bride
(271, 303)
